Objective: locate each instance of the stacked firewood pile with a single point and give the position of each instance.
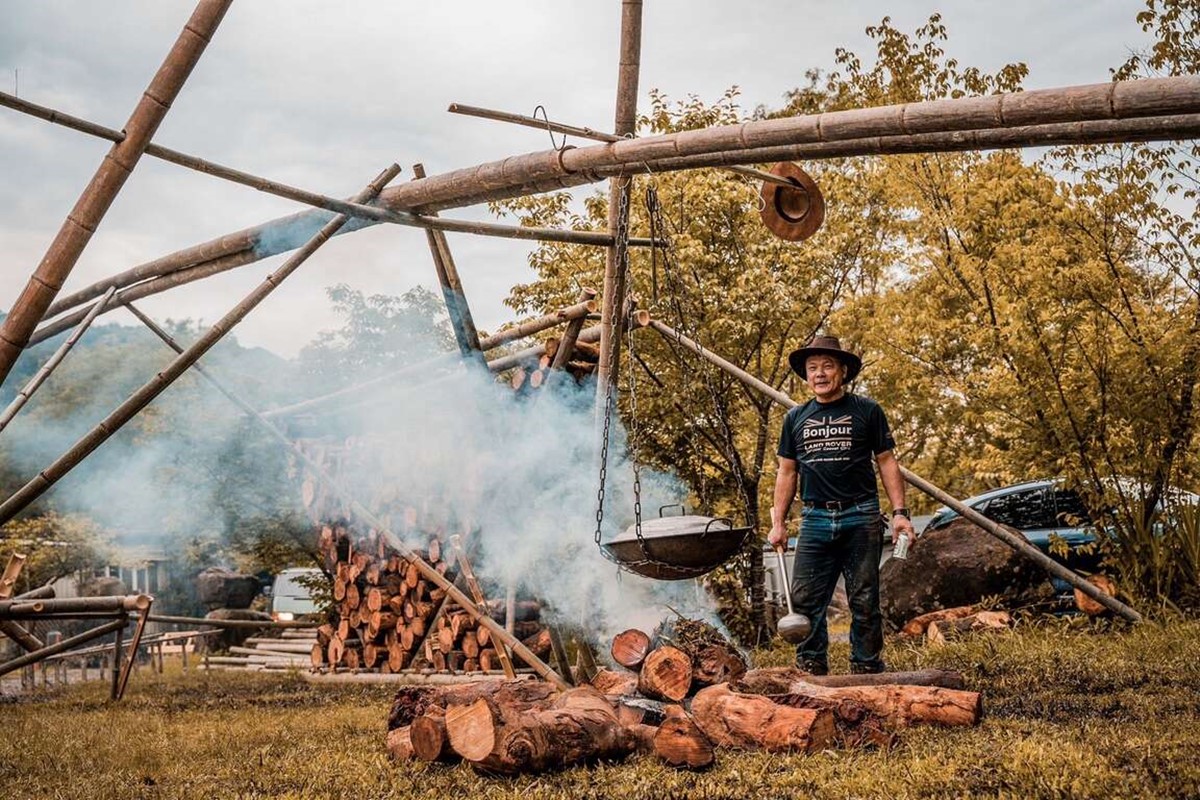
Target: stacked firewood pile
(681, 695)
(389, 618)
(582, 362)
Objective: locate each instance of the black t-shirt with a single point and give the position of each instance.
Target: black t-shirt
(833, 445)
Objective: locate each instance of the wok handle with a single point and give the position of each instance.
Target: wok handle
(682, 509)
(708, 528)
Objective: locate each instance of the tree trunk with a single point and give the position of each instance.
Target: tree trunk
(680, 743)
(750, 721)
(429, 739)
(897, 706)
(777, 680)
(629, 648)
(666, 674)
(917, 626)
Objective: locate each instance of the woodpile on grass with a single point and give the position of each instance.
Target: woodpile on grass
(388, 618)
(680, 695)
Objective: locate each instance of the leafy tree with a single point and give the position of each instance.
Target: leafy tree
(54, 546)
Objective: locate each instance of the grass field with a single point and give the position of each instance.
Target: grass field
(1073, 710)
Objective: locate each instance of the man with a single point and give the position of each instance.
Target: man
(830, 441)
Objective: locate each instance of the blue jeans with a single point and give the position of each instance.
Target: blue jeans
(849, 543)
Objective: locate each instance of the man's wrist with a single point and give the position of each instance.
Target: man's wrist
(901, 511)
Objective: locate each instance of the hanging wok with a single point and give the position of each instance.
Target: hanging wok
(677, 547)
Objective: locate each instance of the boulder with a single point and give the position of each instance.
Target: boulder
(958, 565)
(231, 637)
(218, 587)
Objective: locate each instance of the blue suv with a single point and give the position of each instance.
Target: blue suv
(1040, 510)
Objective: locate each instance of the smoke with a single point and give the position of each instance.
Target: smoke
(524, 473)
(520, 473)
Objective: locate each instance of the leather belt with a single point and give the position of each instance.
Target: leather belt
(836, 505)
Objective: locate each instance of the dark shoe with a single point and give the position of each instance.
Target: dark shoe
(812, 666)
(872, 668)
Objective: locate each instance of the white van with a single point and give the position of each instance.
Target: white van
(290, 598)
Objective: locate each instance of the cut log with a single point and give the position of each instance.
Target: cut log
(778, 680)
(611, 682)
(428, 736)
(580, 728)
(717, 663)
(539, 643)
(643, 737)
(897, 706)
(399, 744)
(945, 630)
(680, 743)
(666, 674)
(629, 648)
(1089, 606)
(918, 625)
(745, 721)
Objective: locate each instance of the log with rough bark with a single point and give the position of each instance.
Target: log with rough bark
(580, 727)
(679, 742)
(777, 680)
(399, 744)
(430, 741)
(666, 674)
(917, 626)
(612, 682)
(895, 706)
(1089, 606)
(940, 632)
(747, 721)
(714, 658)
(629, 648)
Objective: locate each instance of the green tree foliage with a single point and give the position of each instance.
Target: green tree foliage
(54, 546)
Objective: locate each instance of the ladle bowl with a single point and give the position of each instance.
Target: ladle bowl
(793, 628)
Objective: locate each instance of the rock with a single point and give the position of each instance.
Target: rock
(222, 588)
(231, 637)
(958, 565)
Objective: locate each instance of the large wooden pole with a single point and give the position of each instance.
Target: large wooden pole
(1158, 109)
(1018, 543)
(461, 321)
(619, 190)
(64, 645)
(52, 363)
(143, 396)
(426, 570)
(92, 205)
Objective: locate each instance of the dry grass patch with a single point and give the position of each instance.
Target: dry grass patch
(1072, 711)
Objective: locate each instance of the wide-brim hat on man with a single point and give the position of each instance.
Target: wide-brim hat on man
(825, 346)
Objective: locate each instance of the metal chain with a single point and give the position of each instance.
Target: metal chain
(622, 235)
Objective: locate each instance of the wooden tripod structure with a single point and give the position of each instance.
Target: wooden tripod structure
(1144, 110)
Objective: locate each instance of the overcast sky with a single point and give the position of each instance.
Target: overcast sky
(323, 95)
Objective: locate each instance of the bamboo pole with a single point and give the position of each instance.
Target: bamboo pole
(619, 192)
(108, 180)
(1094, 132)
(1017, 543)
(116, 657)
(230, 623)
(373, 213)
(427, 571)
(464, 565)
(52, 363)
(143, 396)
(463, 324)
(12, 571)
(1157, 109)
(131, 659)
(70, 605)
(566, 345)
(589, 133)
(61, 646)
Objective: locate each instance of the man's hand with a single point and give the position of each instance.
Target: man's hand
(900, 523)
(778, 536)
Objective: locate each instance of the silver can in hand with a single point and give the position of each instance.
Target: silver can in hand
(900, 548)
